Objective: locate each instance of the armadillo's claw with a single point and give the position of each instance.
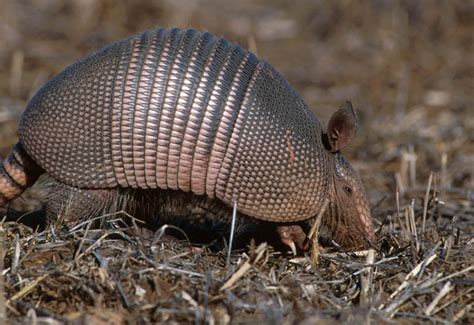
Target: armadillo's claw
(293, 247)
(294, 237)
(291, 244)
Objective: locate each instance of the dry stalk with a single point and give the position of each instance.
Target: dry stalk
(444, 291)
(16, 73)
(313, 234)
(461, 312)
(252, 44)
(366, 278)
(425, 204)
(455, 274)
(444, 174)
(232, 231)
(3, 312)
(400, 221)
(399, 183)
(180, 271)
(245, 267)
(27, 289)
(406, 282)
(16, 256)
(162, 230)
(411, 225)
(412, 163)
(457, 297)
(81, 243)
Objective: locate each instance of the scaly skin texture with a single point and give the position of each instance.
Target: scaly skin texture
(17, 173)
(347, 221)
(182, 110)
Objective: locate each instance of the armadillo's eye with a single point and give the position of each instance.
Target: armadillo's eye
(348, 190)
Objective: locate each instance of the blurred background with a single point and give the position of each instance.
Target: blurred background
(407, 66)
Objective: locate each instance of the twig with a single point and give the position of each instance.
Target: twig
(314, 233)
(16, 256)
(3, 312)
(399, 181)
(402, 226)
(366, 278)
(81, 243)
(427, 261)
(460, 314)
(16, 73)
(468, 269)
(430, 253)
(444, 291)
(80, 225)
(444, 174)
(453, 299)
(412, 161)
(252, 44)
(162, 230)
(245, 267)
(179, 271)
(97, 242)
(27, 289)
(425, 204)
(410, 215)
(232, 230)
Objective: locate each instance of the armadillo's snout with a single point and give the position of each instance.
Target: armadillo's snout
(347, 224)
(349, 220)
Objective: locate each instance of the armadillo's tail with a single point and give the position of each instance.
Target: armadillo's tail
(17, 173)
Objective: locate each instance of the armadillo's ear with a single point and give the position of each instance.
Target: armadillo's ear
(342, 127)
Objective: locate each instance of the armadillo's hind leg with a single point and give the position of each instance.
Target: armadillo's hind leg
(72, 205)
(17, 173)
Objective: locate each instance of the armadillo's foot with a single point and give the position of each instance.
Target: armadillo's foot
(294, 237)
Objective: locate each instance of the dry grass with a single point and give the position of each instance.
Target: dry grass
(408, 68)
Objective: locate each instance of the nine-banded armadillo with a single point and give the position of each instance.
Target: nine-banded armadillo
(185, 117)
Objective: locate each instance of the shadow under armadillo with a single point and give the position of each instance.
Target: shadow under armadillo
(204, 221)
(33, 219)
(27, 209)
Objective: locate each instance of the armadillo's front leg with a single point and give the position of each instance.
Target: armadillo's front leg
(294, 237)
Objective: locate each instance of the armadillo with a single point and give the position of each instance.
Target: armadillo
(185, 116)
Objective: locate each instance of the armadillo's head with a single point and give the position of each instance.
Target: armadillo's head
(347, 220)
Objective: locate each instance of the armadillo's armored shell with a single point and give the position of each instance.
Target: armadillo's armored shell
(184, 110)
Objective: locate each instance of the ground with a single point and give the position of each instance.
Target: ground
(406, 66)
